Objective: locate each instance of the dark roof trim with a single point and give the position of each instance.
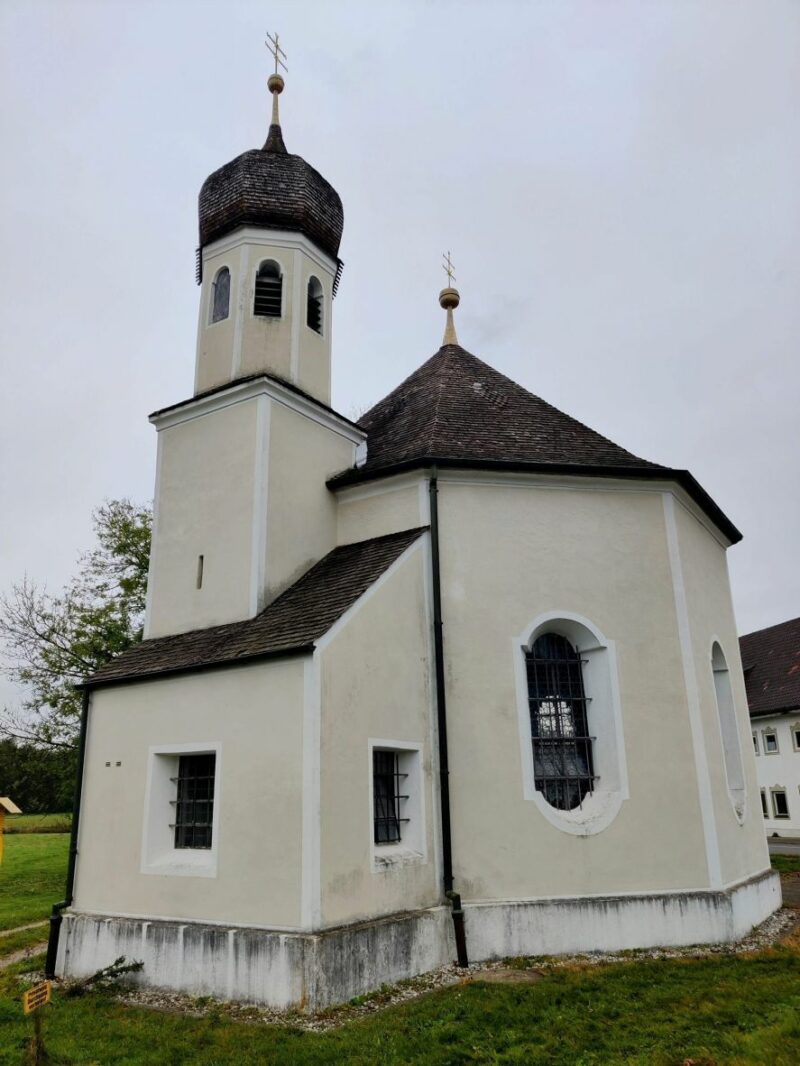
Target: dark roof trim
(776, 712)
(222, 664)
(256, 377)
(693, 488)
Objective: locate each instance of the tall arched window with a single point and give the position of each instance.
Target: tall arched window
(562, 747)
(221, 295)
(269, 290)
(731, 749)
(314, 305)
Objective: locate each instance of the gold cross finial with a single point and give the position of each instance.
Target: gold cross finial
(447, 267)
(275, 50)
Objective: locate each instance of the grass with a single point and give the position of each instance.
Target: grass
(786, 864)
(31, 877)
(38, 823)
(731, 1010)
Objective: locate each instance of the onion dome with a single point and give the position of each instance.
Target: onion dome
(270, 187)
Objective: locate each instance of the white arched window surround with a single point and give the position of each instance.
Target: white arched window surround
(730, 739)
(272, 300)
(315, 305)
(600, 808)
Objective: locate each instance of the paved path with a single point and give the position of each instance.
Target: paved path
(24, 953)
(784, 846)
(22, 928)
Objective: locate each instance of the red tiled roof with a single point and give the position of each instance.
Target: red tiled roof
(771, 661)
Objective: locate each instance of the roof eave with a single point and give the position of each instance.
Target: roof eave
(90, 684)
(683, 478)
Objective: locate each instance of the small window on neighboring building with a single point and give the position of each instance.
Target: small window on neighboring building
(314, 305)
(221, 295)
(764, 808)
(755, 744)
(269, 291)
(562, 747)
(388, 797)
(796, 737)
(194, 806)
(780, 803)
(770, 741)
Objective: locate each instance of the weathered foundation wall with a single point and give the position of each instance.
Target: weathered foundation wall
(316, 970)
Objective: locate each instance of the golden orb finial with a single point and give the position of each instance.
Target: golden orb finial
(449, 299)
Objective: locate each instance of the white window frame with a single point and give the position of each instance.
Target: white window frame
(413, 845)
(159, 854)
(252, 294)
(795, 731)
(770, 733)
(601, 681)
(728, 722)
(780, 817)
(212, 289)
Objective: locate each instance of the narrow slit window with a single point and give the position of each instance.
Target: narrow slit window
(562, 747)
(764, 807)
(314, 305)
(221, 296)
(269, 291)
(199, 571)
(796, 737)
(194, 805)
(387, 797)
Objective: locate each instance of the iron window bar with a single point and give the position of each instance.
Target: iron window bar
(387, 797)
(560, 738)
(194, 802)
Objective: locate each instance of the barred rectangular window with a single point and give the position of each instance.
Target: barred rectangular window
(387, 796)
(194, 805)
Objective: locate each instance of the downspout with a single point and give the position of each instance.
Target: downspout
(55, 914)
(441, 721)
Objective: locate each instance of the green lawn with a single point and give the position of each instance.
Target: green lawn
(731, 1010)
(38, 823)
(31, 877)
(786, 864)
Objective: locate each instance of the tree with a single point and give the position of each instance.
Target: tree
(49, 643)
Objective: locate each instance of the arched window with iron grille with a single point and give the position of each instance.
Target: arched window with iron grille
(268, 299)
(221, 295)
(562, 747)
(314, 305)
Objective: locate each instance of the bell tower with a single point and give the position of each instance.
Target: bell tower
(270, 229)
(241, 504)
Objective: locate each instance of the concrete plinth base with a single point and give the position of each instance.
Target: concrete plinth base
(316, 970)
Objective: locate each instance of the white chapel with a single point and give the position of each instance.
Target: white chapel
(457, 681)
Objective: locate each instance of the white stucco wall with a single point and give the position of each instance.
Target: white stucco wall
(510, 552)
(380, 507)
(376, 684)
(254, 715)
(779, 770)
(205, 502)
(742, 849)
(300, 509)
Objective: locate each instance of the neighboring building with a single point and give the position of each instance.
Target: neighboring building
(436, 683)
(771, 660)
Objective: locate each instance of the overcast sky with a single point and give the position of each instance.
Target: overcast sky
(618, 181)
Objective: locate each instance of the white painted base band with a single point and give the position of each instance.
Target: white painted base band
(317, 970)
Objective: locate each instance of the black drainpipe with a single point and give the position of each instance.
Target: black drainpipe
(441, 719)
(55, 914)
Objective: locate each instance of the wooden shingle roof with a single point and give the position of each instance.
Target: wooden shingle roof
(771, 661)
(456, 411)
(289, 625)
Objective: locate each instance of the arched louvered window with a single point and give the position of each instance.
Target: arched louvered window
(314, 305)
(269, 290)
(221, 295)
(562, 747)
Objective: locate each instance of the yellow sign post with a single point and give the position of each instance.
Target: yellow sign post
(37, 996)
(6, 807)
(32, 1000)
